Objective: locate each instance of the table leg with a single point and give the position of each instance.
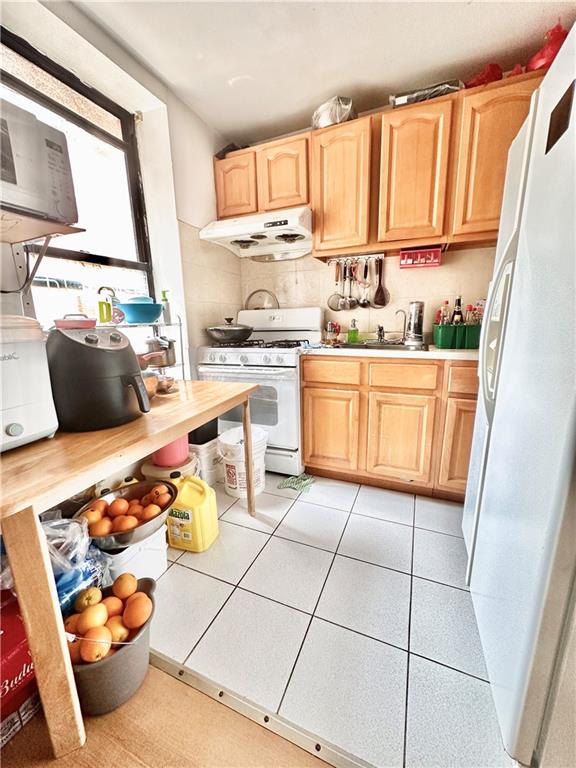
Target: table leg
(248, 458)
(38, 600)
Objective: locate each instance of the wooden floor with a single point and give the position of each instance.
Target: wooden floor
(166, 725)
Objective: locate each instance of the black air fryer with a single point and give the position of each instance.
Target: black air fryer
(96, 380)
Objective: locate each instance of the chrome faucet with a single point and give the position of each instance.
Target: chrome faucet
(401, 311)
(381, 335)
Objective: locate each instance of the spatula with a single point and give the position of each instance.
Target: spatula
(382, 296)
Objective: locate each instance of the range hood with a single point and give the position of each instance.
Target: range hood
(270, 236)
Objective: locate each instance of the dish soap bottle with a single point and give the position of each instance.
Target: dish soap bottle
(353, 336)
(166, 312)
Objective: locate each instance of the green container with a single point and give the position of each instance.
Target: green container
(445, 336)
(457, 336)
(460, 336)
(472, 338)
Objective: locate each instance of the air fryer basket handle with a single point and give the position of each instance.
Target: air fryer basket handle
(138, 383)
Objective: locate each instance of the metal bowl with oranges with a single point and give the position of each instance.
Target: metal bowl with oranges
(129, 514)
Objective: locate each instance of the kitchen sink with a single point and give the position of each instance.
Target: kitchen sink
(387, 346)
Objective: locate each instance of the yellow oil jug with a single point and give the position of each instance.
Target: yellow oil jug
(193, 519)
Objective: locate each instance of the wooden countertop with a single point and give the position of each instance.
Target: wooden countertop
(46, 472)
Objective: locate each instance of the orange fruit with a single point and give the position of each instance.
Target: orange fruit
(146, 499)
(125, 585)
(118, 507)
(87, 597)
(137, 613)
(101, 528)
(136, 511)
(114, 605)
(95, 644)
(163, 500)
(118, 629)
(101, 504)
(74, 649)
(133, 502)
(110, 652)
(124, 523)
(91, 617)
(71, 623)
(158, 490)
(149, 512)
(135, 596)
(92, 515)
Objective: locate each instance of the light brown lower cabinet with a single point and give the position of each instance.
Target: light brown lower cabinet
(456, 444)
(393, 423)
(331, 434)
(400, 432)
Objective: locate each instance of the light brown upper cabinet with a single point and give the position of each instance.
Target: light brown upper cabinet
(235, 179)
(414, 170)
(341, 184)
(282, 173)
(490, 118)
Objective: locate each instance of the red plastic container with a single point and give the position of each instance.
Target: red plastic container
(172, 455)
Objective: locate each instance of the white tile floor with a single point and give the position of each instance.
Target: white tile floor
(343, 610)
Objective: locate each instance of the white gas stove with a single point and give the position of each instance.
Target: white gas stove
(270, 358)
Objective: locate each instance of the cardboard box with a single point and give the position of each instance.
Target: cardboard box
(19, 699)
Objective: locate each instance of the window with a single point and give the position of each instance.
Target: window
(113, 251)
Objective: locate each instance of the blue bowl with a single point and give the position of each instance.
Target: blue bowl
(141, 313)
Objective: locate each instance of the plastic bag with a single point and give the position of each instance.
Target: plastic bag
(489, 74)
(75, 562)
(338, 109)
(553, 40)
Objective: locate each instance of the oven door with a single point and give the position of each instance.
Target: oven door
(275, 406)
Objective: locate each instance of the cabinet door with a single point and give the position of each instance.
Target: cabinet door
(341, 184)
(331, 428)
(413, 171)
(489, 122)
(235, 179)
(400, 431)
(282, 171)
(456, 444)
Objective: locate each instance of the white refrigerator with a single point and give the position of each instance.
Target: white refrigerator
(519, 519)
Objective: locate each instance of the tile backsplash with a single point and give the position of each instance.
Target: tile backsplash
(211, 284)
(309, 282)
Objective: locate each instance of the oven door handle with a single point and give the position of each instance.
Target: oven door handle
(263, 373)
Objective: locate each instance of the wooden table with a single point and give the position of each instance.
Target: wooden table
(43, 474)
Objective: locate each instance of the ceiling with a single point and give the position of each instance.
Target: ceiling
(256, 70)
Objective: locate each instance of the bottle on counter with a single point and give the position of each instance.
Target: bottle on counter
(353, 335)
(457, 315)
(443, 313)
(471, 315)
(166, 311)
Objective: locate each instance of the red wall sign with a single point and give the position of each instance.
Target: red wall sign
(423, 257)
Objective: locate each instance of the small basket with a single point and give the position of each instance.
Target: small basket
(457, 336)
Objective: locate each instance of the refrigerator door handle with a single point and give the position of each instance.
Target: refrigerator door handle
(505, 271)
(476, 514)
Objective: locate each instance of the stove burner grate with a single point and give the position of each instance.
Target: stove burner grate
(261, 344)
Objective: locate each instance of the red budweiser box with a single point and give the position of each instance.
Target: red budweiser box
(19, 699)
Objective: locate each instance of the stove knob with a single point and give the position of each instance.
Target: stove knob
(115, 338)
(222, 358)
(244, 359)
(91, 338)
(212, 357)
(279, 360)
(266, 359)
(14, 429)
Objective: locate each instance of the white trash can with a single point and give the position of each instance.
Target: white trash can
(231, 446)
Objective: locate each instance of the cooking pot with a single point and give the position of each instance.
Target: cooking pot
(164, 350)
(229, 332)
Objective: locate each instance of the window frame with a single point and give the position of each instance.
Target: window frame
(128, 144)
